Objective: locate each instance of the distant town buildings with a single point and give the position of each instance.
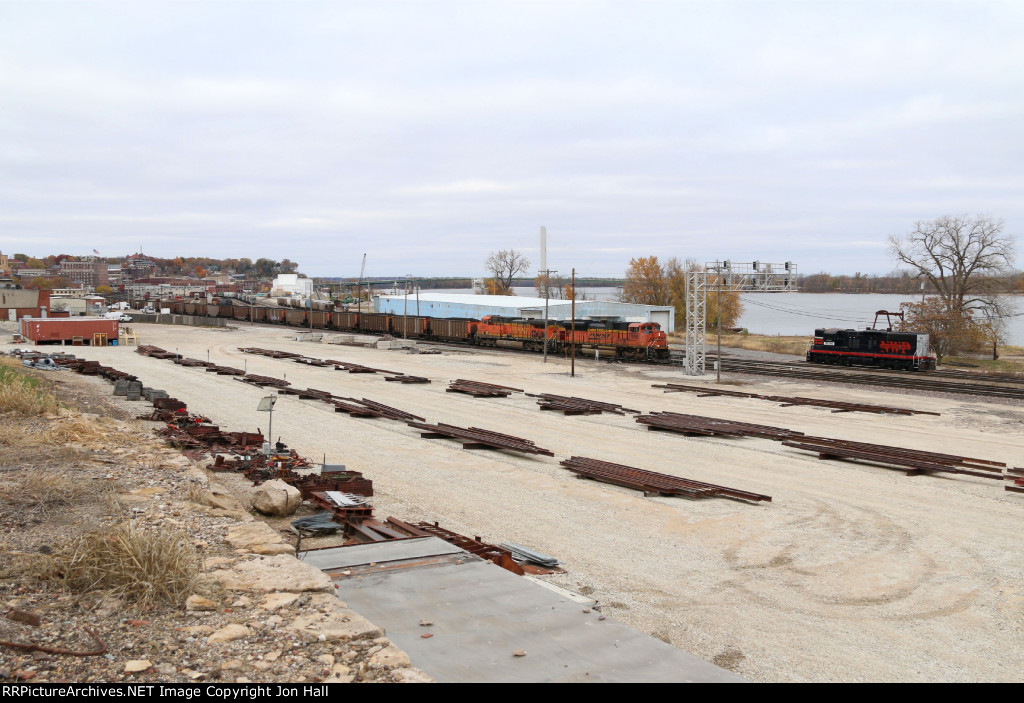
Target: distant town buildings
(88, 271)
(4, 265)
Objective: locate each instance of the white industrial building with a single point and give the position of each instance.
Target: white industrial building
(431, 304)
(290, 284)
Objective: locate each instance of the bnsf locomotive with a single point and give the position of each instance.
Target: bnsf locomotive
(882, 348)
(621, 340)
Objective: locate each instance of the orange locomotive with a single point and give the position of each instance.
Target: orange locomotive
(623, 340)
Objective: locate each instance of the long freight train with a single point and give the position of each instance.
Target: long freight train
(891, 350)
(639, 341)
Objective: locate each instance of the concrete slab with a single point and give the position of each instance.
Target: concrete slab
(482, 614)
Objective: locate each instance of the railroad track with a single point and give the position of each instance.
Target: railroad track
(1010, 387)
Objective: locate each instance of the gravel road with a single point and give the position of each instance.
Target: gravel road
(852, 573)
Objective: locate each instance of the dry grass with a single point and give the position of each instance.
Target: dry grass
(23, 395)
(42, 493)
(767, 343)
(77, 430)
(144, 568)
(199, 494)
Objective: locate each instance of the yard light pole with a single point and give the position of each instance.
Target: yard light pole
(267, 405)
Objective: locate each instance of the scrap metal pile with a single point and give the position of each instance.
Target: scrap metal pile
(787, 401)
(652, 483)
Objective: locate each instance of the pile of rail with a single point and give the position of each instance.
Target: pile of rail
(476, 438)
(914, 461)
(578, 406)
(787, 401)
(710, 426)
(338, 365)
(156, 352)
(935, 381)
(652, 483)
(263, 381)
(478, 389)
(1015, 478)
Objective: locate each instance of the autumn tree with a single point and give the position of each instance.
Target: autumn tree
(504, 266)
(950, 331)
(645, 283)
(649, 283)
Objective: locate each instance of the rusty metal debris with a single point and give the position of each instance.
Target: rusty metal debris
(788, 401)
(477, 438)
(578, 406)
(100, 649)
(652, 483)
(710, 426)
(493, 553)
(914, 461)
(478, 389)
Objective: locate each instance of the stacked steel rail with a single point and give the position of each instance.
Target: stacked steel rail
(1015, 479)
(914, 461)
(156, 352)
(477, 438)
(578, 406)
(651, 482)
(710, 426)
(479, 389)
(788, 401)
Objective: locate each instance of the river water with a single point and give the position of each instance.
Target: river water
(801, 313)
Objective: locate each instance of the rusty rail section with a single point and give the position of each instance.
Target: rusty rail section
(476, 546)
(408, 379)
(263, 381)
(788, 401)
(1015, 479)
(571, 405)
(710, 426)
(477, 438)
(155, 352)
(336, 364)
(651, 482)
(478, 389)
(914, 461)
(272, 353)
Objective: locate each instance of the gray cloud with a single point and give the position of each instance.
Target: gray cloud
(431, 133)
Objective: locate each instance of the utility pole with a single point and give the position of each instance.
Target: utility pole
(572, 342)
(405, 311)
(718, 314)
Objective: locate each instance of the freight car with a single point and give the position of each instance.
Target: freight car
(620, 340)
(909, 351)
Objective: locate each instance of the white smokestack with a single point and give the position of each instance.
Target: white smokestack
(543, 248)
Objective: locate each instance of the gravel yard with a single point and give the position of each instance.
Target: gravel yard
(852, 573)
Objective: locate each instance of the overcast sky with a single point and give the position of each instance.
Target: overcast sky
(429, 134)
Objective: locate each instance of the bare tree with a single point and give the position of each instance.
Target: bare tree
(504, 266)
(967, 261)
